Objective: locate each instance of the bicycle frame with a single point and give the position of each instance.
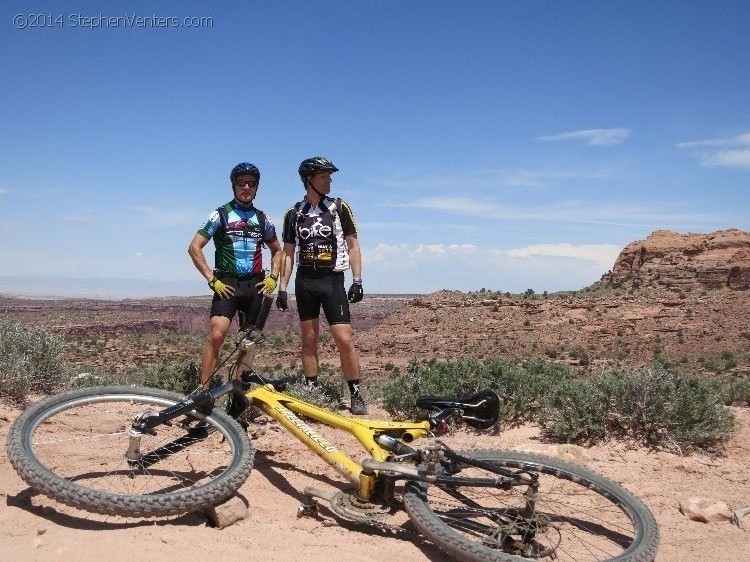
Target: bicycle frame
(285, 408)
(379, 438)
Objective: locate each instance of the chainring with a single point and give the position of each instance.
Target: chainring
(347, 505)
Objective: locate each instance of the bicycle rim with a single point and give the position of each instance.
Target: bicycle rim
(577, 515)
(72, 446)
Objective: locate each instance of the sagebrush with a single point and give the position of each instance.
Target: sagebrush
(661, 408)
(29, 361)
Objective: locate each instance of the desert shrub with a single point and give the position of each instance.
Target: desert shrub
(570, 412)
(29, 362)
(329, 393)
(519, 386)
(173, 375)
(658, 407)
(736, 391)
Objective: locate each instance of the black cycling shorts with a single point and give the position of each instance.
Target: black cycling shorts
(318, 288)
(246, 299)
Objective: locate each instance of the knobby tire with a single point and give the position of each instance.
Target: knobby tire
(579, 515)
(71, 447)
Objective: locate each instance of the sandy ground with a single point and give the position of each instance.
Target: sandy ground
(36, 528)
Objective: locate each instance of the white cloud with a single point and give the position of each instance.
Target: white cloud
(565, 211)
(488, 178)
(603, 254)
(593, 137)
(740, 140)
(731, 153)
(418, 268)
(4, 191)
(737, 158)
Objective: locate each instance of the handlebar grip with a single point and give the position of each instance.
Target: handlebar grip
(265, 309)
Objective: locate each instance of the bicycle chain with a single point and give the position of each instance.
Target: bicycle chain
(400, 505)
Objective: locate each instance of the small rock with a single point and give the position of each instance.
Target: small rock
(705, 510)
(573, 453)
(227, 513)
(41, 530)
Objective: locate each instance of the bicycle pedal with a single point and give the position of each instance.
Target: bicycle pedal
(308, 510)
(198, 432)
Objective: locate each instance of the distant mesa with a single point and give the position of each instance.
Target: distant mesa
(711, 261)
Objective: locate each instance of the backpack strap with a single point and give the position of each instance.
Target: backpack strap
(224, 214)
(261, 216)
(334, 210)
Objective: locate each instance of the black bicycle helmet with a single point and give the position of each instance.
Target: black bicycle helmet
(244, 168)
(315, 165)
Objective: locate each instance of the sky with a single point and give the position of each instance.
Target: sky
(496, 144)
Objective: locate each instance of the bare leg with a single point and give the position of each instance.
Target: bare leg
(342, 336)
(217, 334)
(310, 334)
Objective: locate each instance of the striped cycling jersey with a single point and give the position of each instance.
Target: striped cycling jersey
(319, 233)
(239, 233)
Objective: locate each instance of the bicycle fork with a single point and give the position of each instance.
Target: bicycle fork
(147, 421)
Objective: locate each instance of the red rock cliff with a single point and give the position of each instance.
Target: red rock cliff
(718, 259)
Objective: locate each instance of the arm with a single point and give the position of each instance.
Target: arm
(276, 258)
(199, 260)
(355, 293)
(355, 256)
(268, 285)
(287, 265)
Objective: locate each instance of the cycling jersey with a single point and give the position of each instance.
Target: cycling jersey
(239, 233)
(319, 233)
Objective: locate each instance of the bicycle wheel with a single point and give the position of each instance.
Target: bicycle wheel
(71, 447)
(576, 514)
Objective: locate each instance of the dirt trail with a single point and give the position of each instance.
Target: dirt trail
(36, 528)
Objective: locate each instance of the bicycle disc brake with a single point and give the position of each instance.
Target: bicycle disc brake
(347, 505)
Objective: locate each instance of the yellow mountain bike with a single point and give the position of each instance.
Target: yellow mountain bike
(141, 452)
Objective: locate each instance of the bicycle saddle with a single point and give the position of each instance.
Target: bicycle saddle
(480, 410)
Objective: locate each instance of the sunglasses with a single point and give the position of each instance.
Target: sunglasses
(249, 183)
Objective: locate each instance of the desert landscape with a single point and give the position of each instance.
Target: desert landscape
(678, 299)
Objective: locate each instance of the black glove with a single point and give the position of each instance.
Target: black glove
(281, 303)
(355, 292)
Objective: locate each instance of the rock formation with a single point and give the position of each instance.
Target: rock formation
(711, 261)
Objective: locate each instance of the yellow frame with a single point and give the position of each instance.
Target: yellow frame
(284, 408)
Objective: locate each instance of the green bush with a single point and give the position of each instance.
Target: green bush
(653, 405)
(29, 362)
(175, 376)
(660, 408)
(519, 385)
(736, 391)
(329, 393)
(570, 412)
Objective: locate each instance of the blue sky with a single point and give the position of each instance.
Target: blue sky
(505, 145)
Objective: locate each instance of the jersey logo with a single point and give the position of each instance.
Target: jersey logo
(316, 230)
